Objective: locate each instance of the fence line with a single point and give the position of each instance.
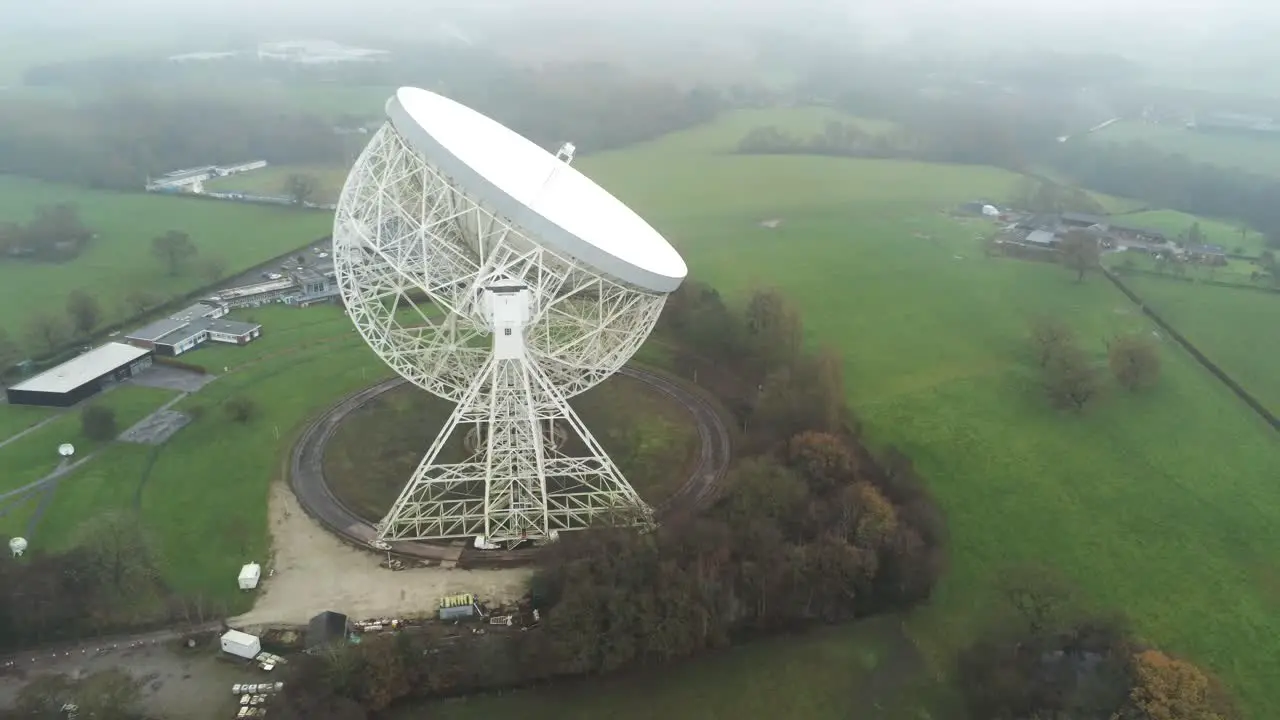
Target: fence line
(1200, 357)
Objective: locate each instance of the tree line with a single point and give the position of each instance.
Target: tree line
(809, 527)
(55, 233)
(47, 330)
(1164, 179)
(843, 139)
(123, 136)
(141, 126)
(108, 580)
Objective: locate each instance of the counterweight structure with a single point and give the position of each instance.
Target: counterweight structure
(466, 264)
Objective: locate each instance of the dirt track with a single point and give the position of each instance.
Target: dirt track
(315, 571)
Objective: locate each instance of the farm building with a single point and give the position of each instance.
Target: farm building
(325, 629)
(1211, 254)
(82, 376)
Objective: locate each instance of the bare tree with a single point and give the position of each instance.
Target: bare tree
(1080, 252)
(84, 312)
(174, 249)
(300, 187)
(1049, 336)
(139, 301)
(1070, 379)
(46, 331)
(213, 269)
(118, 553)
(1134, 360)
(1042, 596)
(10, 352)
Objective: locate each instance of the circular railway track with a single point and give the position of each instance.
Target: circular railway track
(309, 485)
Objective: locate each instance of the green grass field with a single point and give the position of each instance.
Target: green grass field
(1255, 154)
(1235, 328)
(1217, 232)
(33, 456)
(933, 337)
(1162, 504)
(120, 260)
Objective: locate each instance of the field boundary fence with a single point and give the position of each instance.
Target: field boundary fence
(1196, 353)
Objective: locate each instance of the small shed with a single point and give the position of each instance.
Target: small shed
(250, 575)
(243, 645)
(325, 629)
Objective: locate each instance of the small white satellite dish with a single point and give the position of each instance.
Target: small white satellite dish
(18, 546)
(66, 450)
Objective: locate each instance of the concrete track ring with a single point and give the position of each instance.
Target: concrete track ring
(308, 482)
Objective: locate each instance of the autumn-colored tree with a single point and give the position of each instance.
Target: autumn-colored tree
(823, 459)
(1134, 360)
(877, 521)
(1070, 379)
(1166, 688)
(1049, 336)
(1080, 252)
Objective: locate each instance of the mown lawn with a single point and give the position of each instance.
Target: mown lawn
(1235, 328)
(33, 456)
(205, 498)
(120, 260)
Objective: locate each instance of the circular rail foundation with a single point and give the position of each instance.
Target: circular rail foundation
(308, 482)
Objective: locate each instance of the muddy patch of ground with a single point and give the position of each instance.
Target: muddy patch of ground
(313, 571)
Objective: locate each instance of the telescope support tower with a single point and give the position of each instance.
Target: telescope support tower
(517, 484)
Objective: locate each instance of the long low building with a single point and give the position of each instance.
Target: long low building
(81, 377)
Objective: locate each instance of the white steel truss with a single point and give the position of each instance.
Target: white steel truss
(515, 486)
(415, 260)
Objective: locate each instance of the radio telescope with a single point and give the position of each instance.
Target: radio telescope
(488, 271)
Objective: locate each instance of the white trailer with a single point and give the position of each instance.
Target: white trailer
(250, 575)
(242, 645)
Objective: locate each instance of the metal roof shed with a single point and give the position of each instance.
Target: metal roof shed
(325, 629)
(80, 377)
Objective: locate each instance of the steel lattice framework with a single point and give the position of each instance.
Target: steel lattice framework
(418, 261)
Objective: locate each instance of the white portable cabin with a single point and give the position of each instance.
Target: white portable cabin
(250, 575)
(240, 644)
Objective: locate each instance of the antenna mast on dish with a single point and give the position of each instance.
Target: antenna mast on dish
(491, 273)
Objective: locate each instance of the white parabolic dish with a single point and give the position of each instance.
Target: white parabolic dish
(562, 208)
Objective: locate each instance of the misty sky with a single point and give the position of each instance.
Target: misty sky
(1177, 29)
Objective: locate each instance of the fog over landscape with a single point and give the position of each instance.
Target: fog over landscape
(966, 409)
